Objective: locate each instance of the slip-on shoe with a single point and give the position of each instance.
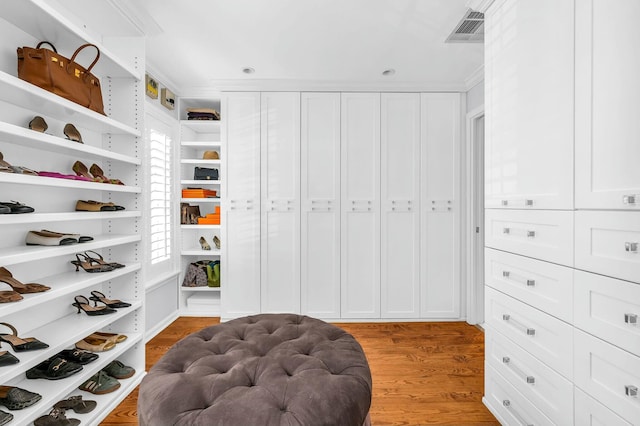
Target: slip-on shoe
(16, 207)
(79, 356)
(16, 398)
(37, 238)
(94, 206)
(53, 369)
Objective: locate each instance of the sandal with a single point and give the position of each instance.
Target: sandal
(56, 417)
(38, 124)
(19, 344)
(16, 398)
(99, 297)
(72, 133)
(81, 170)
(9, 296)
(89, 265)
(77, 404)
(100, 383)
(100, 260)
(112, 337)
(4, 166)
(95, 344)
(17, 286)
(118, 370)
(53, 369)
(82, 303)
(97, 173)
(79, 356)
(7, 358)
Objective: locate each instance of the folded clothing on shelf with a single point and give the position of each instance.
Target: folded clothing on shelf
(202, 114)
(199, 193)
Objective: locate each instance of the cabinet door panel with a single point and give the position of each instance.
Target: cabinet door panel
(280, 239)
(240, 207)
(607, 108)
(440, 206)
(590, 412)
(360, 205)
(529, 80)
(320, 204)
(400, 182)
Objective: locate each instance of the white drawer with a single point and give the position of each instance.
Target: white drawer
(609, 243)
(608, 374)
(542, 234)
(545, 337)
(508, 405)
(544, 285)
(590, 412)
(547, 390)
(609, 309)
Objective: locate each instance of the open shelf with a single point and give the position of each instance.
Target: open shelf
(200, 226)
(200, 144)
(215, 200)
(199, 182)
(65, 183)
(200, 252)
(204, 289)
(202, 126)
(66, 216)
(10, 133)
(196, 161)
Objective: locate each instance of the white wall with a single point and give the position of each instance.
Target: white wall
(475, 96)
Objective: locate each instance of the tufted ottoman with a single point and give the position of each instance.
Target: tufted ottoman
(269, 369)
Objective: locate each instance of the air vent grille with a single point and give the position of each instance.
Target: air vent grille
(470, 29)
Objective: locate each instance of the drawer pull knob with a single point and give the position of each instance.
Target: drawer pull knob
(531, 234)
(629, 199)
(631, 247)
(631, 318)
(506, 403)
(631, 390)
(529, 379)
(530, 331)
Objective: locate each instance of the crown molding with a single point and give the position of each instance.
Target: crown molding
(479, 5)
(138, 16)
(475, 78)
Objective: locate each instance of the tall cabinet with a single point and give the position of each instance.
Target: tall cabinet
(114, 142)
(562, 267)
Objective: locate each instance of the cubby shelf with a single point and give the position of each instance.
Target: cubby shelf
(215, 200)
(202, 126)
(196, 161)
(25, 137)
(198, 289)
(199, 182)
(200, 226)
(200, 252)
(200, 144)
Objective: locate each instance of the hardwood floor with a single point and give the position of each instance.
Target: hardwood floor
(423, 373)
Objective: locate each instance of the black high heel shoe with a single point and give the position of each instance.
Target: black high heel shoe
(90, 265)
(96, 296)
(100, 260)
(20, 344)
(82, 303)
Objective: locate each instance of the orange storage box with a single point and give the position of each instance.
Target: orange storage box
(198, 193)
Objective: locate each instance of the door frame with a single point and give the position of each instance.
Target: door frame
(474, 244)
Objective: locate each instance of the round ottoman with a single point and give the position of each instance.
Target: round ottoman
(269, 369)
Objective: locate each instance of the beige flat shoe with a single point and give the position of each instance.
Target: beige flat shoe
(111, 337)
(95, 344)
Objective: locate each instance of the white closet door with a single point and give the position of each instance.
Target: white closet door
(241, 206)
(529, 105)
(360, 205)
(320, 192)
(280, 140)
(400, 198)
(440, 206)
(607, 108)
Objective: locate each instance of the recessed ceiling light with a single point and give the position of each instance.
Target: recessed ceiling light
(388, 72)
(248, 70)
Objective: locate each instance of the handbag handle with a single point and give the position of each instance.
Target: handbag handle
(46, 42)
(73, 58)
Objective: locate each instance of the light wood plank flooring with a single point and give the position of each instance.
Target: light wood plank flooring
(423, 373)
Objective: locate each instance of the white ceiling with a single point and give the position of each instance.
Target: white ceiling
(205, 44)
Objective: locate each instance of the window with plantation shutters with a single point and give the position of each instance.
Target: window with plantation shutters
(160, 192)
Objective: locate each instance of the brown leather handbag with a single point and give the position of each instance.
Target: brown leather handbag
(53, 72)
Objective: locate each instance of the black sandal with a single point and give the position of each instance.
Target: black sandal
(53, 369)
(56, 417)
(19, 344)
(99, 297)
(77, 404)
(82, 303)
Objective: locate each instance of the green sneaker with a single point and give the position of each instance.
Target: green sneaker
(119, 370)
(100, 383)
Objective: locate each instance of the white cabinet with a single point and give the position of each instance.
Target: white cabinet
(400, 201)
(320, 205)
(607, 110)
(114, 143)
(440, 206)
(241, 206)
(280, 183)
(529, 96)
(360, 205)
(589, 412)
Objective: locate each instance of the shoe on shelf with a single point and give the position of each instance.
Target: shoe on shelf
(118, 370)
(5, 209)
(82, 303)
(16, 398)
(100, 260)
(21, 344)
(38, 124)
(97, 296)
(216, 241)
(37, 238)
(77, 404)
(80, 238)
(111, 337)
(5, 417)
(53, 369)
(16, 207)
(72, 133)
(81, 170)
(7, 278)
(97, 173)
(100, 383)
(204, 244)
(89, 265)
(56, 417)
(94, 206)
(7, 358)
(95, 344)
(9, 296)
(79, 356)
(8, 168)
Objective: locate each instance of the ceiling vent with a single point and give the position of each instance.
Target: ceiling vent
(470, 29)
